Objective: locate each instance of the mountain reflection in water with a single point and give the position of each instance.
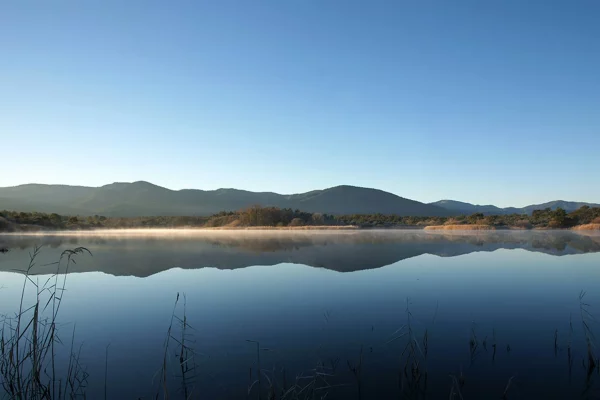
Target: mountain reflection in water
(145, 255)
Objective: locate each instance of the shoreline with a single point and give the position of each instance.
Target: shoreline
(431, 229)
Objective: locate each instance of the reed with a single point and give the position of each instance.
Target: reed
(182, 351)
(309, 385)
(590, 362)
(29, 340)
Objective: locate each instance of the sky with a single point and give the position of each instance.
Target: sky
(490, 102)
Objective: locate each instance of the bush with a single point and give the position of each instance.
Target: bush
(297, 222)
(555, 224)
(523, 224)
(4, 224)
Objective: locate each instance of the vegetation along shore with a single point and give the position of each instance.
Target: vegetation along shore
(257, 217)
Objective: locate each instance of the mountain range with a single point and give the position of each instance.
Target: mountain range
(461, 208)
(146, 199)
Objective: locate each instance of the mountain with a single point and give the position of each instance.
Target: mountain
(461, 208)
(568, 206)
(145, 199)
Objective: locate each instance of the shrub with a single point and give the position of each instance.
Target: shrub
(523, 224)
(297, 222)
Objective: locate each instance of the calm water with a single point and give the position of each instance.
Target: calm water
(315, 297)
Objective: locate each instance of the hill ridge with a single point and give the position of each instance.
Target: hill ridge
(464, 208)
(142, 198)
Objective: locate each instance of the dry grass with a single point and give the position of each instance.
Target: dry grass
(588, 227)
(460, 228)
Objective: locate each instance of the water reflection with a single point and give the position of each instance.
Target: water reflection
(514, 290)
(344, 252)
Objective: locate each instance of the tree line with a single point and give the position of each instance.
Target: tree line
(546, 218)
(282, 217)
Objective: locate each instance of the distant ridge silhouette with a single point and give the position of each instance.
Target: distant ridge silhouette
(145, 199)
(461, 208)
(122, 199)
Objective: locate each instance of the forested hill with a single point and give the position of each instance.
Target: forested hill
(145, 199)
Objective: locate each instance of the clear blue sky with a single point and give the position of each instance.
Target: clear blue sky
(481, 101)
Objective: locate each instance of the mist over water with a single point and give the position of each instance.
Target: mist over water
(312, 297)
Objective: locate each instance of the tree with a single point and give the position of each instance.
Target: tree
(559, 215)
(297, 222)
(560, 219)
(317, 219)
(474, 218)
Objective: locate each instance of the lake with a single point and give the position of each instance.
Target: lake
(359, 314)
